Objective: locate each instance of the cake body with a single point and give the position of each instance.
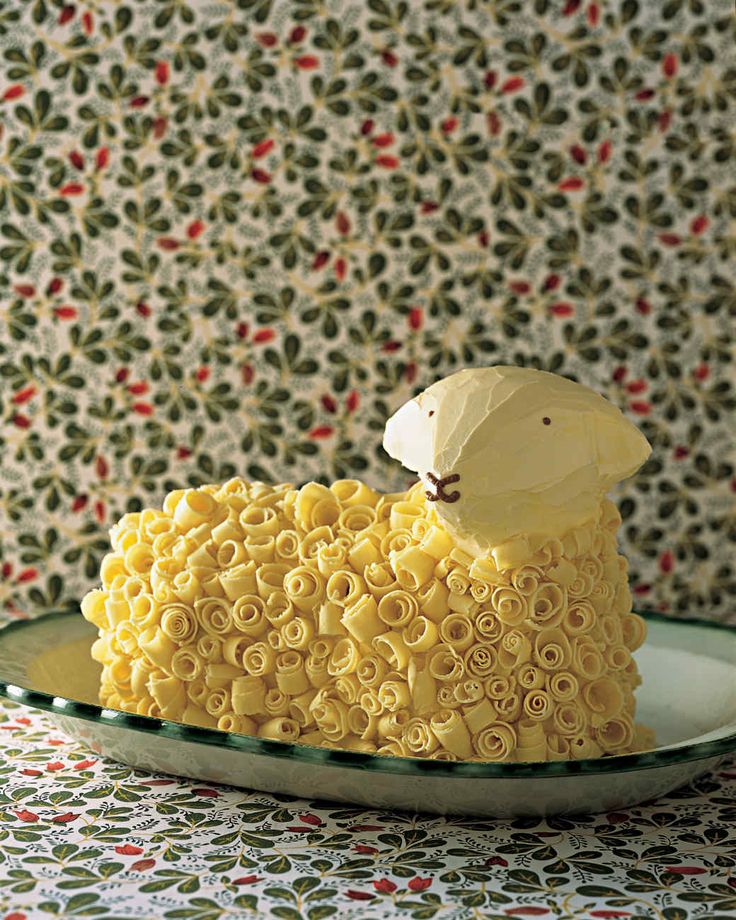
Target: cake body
(342, 617)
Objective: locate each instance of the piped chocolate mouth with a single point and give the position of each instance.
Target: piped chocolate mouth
(439, 485)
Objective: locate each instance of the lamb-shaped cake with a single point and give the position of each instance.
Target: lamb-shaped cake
(484, 614)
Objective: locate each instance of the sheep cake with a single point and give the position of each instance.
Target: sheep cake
(483, 614)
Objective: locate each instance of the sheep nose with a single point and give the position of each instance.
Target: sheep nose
(439, 485)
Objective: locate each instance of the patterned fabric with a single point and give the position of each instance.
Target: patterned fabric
(83, 837)
(234, 238)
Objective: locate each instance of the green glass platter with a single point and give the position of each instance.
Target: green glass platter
(688, 696)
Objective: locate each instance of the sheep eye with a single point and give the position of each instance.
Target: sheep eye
(547, 420)
(431, 413)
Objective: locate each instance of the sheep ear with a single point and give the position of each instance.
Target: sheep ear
(621, 448)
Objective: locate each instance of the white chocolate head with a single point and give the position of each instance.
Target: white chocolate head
(510, 451)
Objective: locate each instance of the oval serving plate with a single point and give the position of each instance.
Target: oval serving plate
(688, 696)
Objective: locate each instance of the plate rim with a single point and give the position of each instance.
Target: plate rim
(376, 763)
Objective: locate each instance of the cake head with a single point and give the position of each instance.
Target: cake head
(510, 451)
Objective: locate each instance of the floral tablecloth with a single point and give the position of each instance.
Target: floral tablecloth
(82, 836)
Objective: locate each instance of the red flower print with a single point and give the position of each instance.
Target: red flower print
(16, 915)
(410, 372)
(562, 309)
(366, 127)
(391, 346)
(267, 39)
(137, 102)
(142, 408)
(593, 15)
(26, 575)
(142, 865)
(67, 13)
(643, 306)
(321, 432)
(604, 152)
(340, 268)
(578, 154)
(264, 335)
(102, 158)
(512, 85)
(168, 243)
(320, 260)
(573, 184)
(241, 330)
(28, 816)
(419, 884)
(206, 793)
(13, 92)
(297, 34)
(686, 870)
(202, 374)
(640, 407)
(328, 403)
(142, 308)
(352, 401)
(128, 849)
(260, 176)
(526, 911)
(29, 771)
(680, 452)
(389, 58)
(383, 140)
(366, 850)
(570, 7)
(246, 880)
(385, 886)
(342, 222)
(449, 125)
(416, 318)
(79, 502)
(669, 65)
(182, 453)
(636, 386)
(520, 287)
(643, 95)
(265, 146)
(87, 22)
(20, 421)
(247, 373)
(71, 188)
(496, 861)
(701, 372)
(307, 62)
(76, 159)
(55, 285)
(489, 79)
(359, 895)
(84, 764)
(387, 161)
(551, 283)
(699, 224)
(65, 313)
(428, 207)
(54, 766)
(22, 396)
(195, 229)
(161, 72)
(314, 820)
(669, 239)
(65, 818)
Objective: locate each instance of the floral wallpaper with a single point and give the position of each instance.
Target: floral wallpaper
(235, 237)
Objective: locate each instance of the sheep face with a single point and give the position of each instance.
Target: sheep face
(508, 451)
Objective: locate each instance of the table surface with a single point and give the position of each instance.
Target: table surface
(82, 836)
